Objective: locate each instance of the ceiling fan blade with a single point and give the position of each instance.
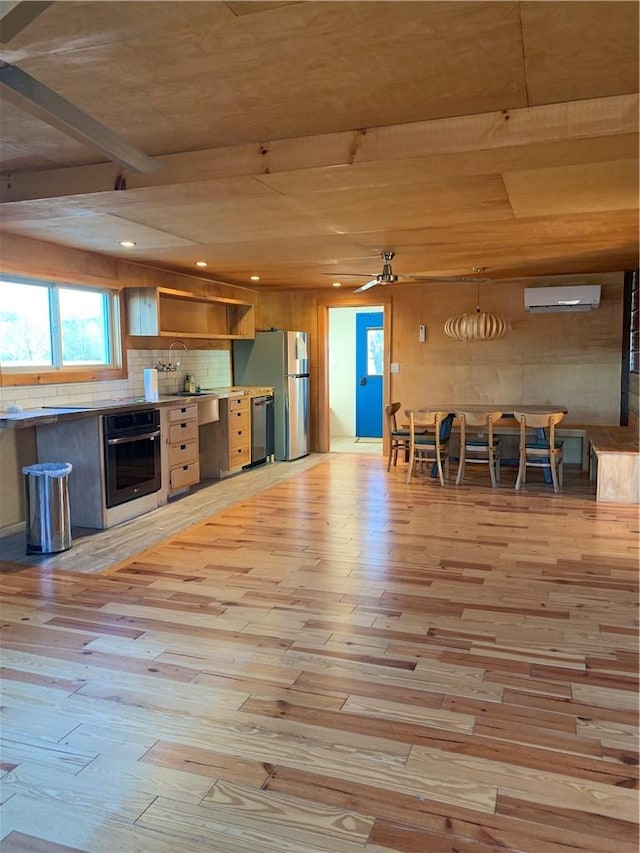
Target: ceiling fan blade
(345, 274)
(15, 15)
(441, 278)
(366, 286)
(46, 104)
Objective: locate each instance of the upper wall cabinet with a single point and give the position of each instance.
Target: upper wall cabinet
(159, 311)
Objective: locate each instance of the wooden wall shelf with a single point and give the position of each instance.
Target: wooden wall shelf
(162, 312)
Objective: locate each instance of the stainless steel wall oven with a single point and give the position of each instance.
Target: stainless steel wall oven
(131, 455)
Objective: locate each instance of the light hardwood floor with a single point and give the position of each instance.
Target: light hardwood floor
(339, 662)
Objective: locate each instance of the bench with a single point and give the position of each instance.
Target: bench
(615, 463)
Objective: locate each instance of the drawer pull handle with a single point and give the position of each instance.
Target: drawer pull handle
(183, 410)
(183, 426)
(185, 467)
(183, 447)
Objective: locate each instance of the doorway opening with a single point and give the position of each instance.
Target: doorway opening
(355, 377)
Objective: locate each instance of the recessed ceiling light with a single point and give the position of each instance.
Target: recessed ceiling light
(336, 284)
(128, 244)
(201, 263)
(254, 278)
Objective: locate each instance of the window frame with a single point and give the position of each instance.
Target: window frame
(61, 373)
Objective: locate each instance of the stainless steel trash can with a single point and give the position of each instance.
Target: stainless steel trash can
(47, 507)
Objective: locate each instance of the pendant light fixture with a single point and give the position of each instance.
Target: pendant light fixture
(481, 326)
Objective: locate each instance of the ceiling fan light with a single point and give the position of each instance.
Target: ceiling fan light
(481, 326)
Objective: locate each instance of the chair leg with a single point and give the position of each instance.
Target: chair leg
(446, 466)
(561, 471)
(460, 467)
(410, 466)
(390, 455)
(554, 475)
(520, 479)
(492, 472)
(498, 467)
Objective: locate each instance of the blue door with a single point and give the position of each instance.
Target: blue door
(369, 371)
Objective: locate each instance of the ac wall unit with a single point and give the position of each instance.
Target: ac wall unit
(545, 300)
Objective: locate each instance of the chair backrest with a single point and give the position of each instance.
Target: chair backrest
(418, 418)
(390, 412)
(477, 419)
(538, 420)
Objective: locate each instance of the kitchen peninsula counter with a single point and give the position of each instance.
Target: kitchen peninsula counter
(53, 414)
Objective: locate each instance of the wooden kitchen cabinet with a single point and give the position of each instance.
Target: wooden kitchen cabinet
(181, 445)
(162, 312)
(226, 448)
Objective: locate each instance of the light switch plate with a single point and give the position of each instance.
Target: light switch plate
(395, 367)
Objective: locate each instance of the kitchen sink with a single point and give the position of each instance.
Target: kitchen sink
(207, 392)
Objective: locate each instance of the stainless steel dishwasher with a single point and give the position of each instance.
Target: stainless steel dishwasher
(262, 435)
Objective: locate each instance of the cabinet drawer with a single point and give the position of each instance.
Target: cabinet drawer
(183, 413)
(182, 454)
(239, 456)
(238, 404)
(238, 438)
(181, 432)
(238, 420)
(188, 475)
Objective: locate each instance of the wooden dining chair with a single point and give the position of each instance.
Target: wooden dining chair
(427, 443)
(398, 438)
(540, 452)
(478, 445)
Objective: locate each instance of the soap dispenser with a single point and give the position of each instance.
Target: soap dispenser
(190, 383)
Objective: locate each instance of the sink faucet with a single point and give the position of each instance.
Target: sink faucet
(169, 366)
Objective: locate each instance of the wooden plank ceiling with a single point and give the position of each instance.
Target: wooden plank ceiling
(298, 140)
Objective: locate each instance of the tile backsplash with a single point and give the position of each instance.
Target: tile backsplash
(211, 368)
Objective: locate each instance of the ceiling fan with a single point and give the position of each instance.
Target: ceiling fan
(387, 276)
(34, 97)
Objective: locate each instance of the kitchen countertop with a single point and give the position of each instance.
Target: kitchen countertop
(52, 414)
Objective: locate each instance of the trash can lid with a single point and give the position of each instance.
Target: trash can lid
(48, 469)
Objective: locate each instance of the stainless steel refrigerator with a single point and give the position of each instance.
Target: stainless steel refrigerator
(280, 359)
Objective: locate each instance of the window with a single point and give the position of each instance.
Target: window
(375, 350)
(51, 328)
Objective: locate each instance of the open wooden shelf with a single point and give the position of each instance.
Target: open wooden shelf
(162, 312)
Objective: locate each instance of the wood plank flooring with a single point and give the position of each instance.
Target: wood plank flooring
(340, 662)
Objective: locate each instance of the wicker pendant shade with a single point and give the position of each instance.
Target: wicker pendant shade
(481, 326)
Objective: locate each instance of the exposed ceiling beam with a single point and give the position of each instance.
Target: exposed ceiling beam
(598, 117)
(39, 100)
(15, 15)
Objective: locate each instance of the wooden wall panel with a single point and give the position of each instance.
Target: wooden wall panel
(17, 449)
(571, 359)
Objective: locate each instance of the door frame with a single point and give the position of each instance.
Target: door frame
(348, 301)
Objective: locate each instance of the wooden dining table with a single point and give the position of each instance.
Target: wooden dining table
(507, 410)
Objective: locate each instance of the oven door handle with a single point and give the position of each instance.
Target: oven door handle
(127, 439)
